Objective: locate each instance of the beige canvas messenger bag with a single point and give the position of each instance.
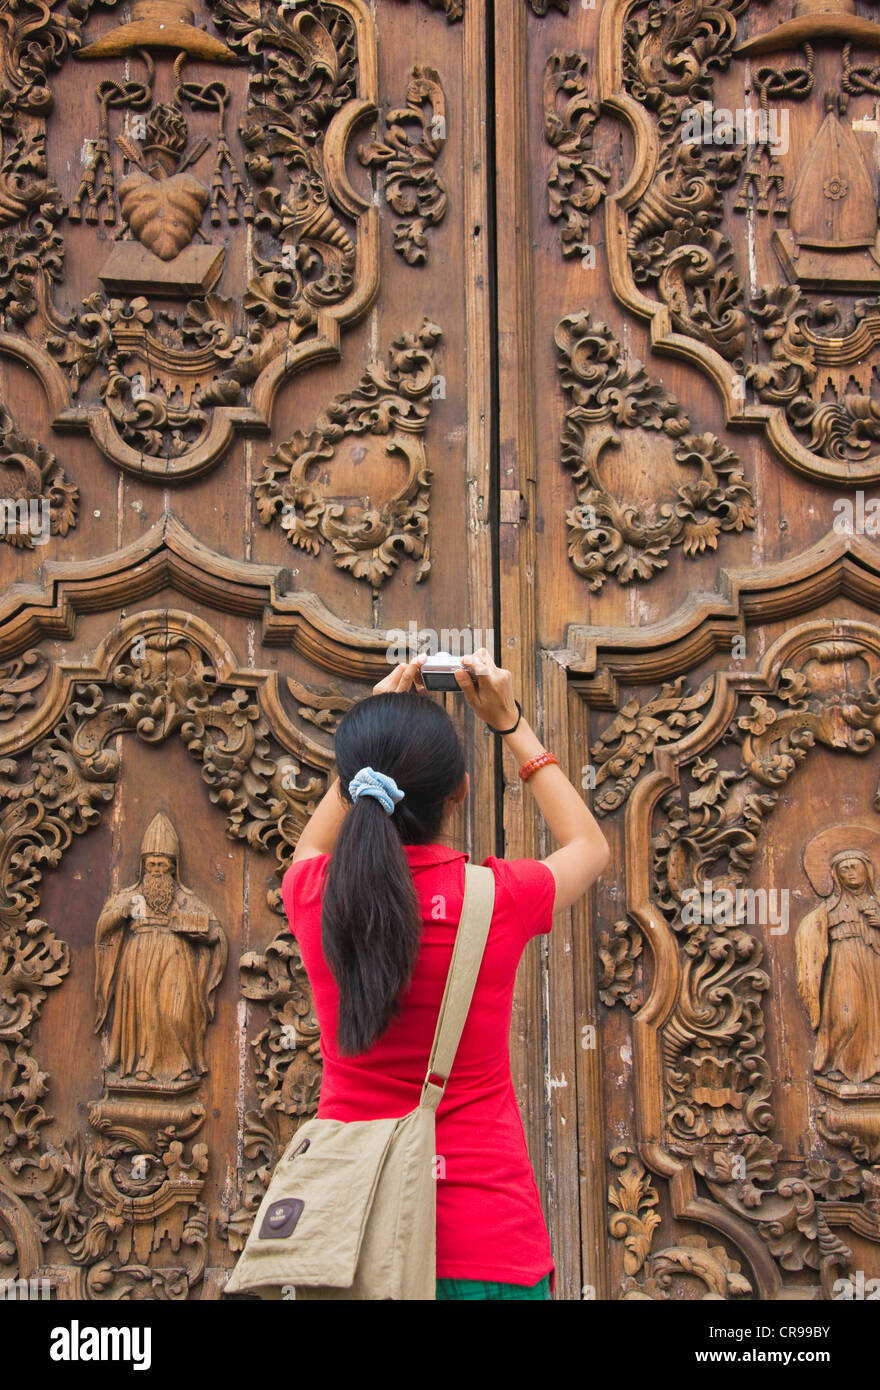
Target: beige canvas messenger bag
(350, 1212)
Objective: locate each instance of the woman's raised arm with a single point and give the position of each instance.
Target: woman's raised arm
(584, 851)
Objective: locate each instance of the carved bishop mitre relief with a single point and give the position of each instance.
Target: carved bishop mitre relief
(160, 955)
(202, 239)
(750, 218)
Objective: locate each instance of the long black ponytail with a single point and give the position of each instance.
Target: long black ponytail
(370, 924)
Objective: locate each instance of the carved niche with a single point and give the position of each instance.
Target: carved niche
(747, 230)
(159, 956)
(750, 954)
(196, 258)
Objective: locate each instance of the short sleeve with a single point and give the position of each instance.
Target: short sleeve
(301, 885)
(531, 890)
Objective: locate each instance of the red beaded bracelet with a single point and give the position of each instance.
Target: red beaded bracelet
(533, 764)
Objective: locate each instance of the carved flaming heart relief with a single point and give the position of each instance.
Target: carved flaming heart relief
(162, 208)
(163, 214)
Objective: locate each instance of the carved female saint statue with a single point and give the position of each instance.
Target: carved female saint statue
(160, 955)
(837, 948)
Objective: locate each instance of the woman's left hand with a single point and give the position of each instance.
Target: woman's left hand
(403, 677)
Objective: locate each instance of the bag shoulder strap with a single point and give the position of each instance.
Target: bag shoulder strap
(467, 953)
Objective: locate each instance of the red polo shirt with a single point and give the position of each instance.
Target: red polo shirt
(489, 1219)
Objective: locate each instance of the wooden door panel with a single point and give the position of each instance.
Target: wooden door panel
(263, 442)
(689, 538)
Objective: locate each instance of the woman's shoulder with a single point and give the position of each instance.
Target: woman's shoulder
(302, 882)
(525, 890)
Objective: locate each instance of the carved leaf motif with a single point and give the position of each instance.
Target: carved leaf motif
(634, 1197)
(617, 957)
(18, 678)
(575, 182)
(323, 708)
(413, 187)
(39, 499)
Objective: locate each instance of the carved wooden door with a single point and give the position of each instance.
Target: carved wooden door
(332, 320)
(245, 388)
(689, 265)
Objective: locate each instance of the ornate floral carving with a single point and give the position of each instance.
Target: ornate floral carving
(37, 38)
(791, 1212)
(804, 338)
(823, 692)
(622, 750)
(653, 1275)
(324, 708)
(611, 536)
(31, 249)
(634, 1198)
(38, 499)
(18, 679)
(575, 182)
(288, 1069)
(413, 187)
(618, 952)
(391, 405)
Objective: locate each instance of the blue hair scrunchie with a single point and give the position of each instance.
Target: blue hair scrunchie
(377, 784)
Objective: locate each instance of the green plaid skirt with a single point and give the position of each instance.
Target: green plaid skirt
(476, 1290)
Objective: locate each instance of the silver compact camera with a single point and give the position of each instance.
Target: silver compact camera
(438, 671)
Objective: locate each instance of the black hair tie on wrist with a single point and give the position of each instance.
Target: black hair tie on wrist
(513, 728)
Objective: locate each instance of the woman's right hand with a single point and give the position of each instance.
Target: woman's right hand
(405, 675)
(491, 698)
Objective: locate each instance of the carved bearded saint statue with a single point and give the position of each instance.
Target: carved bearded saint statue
(160, 955)
(838, 944)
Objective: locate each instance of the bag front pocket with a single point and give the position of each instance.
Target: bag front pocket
(310, 1224)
